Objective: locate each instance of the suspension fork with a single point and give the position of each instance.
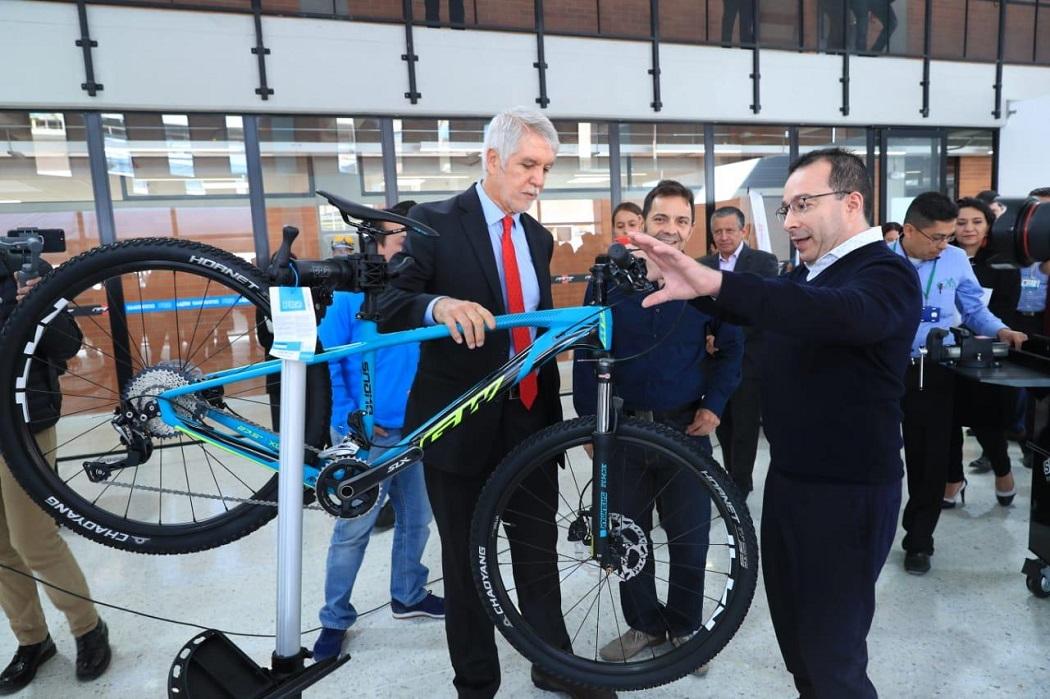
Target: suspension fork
(604, 442)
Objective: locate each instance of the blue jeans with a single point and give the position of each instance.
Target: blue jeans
(408, 576)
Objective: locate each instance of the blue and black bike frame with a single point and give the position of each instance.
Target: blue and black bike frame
(565, 328)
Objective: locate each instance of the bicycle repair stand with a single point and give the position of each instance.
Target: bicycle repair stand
(211, 666)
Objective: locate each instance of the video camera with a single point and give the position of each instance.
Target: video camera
(1021, 236)
(20, 251)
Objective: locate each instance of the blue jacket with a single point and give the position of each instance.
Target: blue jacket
(677, 371)
(394, 371)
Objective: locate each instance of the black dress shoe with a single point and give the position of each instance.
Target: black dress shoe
(550, 683)
(22, 668)
(93, 652)
(917, 562)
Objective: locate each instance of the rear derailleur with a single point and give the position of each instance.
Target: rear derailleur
(130, 424)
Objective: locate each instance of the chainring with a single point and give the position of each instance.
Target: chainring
(331, 489)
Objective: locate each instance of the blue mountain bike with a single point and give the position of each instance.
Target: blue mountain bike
(167, 444)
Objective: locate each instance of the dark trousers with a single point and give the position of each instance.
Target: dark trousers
(993, 444)
(883, 11)
(455, 13)
(928, 421)
(738, 433)
(823, 546)
(928, 416)
(685, 516)
(746, 11)
(471, 637)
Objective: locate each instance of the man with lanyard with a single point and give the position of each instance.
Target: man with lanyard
(947, 282)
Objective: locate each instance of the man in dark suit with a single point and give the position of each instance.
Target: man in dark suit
(491, 258)
(738, 431)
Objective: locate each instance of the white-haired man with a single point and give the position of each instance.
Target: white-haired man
(491, 258)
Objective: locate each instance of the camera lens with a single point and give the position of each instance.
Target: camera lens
(1021, 235)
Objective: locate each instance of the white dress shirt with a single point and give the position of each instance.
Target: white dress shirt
(839, 251)
(729, 265)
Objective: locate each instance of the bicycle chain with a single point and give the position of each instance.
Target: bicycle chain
(205, 496)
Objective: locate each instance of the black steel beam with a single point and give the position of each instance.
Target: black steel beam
(997, 112)
(926, 38)
(615, 183)
(756, 73)
(86, 43)
(654, 33)
(541, 59)
(409, 56)
(845, 60)
(260, 51)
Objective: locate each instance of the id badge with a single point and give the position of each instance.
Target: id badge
(931, 314)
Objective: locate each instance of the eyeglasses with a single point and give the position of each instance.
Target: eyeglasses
(935, 239)
(800, 204)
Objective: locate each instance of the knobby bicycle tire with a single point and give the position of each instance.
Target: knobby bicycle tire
(40, 478)
(502, 608)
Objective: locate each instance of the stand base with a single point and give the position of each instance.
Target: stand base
(211, 666)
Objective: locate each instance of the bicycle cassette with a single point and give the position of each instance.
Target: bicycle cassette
(337, 496)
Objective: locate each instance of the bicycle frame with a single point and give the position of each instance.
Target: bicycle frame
(566, 328)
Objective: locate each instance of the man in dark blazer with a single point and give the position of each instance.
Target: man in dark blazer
(738, 431)
(461, 279)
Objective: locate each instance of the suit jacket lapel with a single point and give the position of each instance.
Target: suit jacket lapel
(476, 232)
(534, 235)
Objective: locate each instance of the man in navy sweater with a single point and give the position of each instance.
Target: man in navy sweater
(838, 337)
(670, 379)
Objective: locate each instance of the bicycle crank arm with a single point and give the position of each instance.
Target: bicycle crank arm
(360, 483)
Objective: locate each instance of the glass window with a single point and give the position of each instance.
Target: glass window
(304, 154)
(576, 206)
(1020, 32)
(1042, 33)
(778, 23)
(437, 158)
(686, 22)
(970, 161)
(750, 170)
(653, 152)
(982, 30)
(570, 17)
(628, 18)
(45, 179)
(913, 166)
(179, 176)
(500, 13)
(949, 36)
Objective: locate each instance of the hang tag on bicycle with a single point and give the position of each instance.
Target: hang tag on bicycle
(294, 324)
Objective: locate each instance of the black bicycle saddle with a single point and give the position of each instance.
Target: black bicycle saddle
(350, 210)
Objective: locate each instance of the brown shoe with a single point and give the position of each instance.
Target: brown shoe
(629, 645)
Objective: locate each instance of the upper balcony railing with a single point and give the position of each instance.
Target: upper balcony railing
(959, 29)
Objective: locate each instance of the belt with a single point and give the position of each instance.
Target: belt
(1030, 314)
(656, 415)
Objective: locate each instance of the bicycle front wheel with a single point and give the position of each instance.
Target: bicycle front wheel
(685, 556)
(144, 316)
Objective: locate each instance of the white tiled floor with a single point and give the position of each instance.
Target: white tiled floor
(967, 629)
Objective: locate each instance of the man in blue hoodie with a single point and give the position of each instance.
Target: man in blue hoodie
(394, 370)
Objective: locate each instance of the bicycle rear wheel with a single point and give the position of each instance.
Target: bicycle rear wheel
(154, 314)
(687, 581)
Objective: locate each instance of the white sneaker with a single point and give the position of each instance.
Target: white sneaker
(678, 641)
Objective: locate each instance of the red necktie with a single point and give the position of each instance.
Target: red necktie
(516, 304)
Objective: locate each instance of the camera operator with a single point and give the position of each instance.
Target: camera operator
(29, 540)
(947, 281)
